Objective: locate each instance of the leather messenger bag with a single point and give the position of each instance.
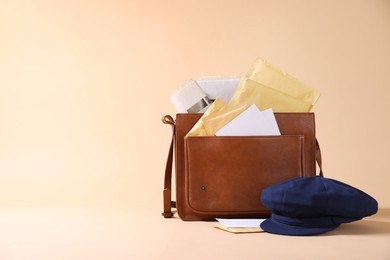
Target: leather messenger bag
(224, 176)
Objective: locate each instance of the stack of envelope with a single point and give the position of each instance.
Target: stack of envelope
(263, 90)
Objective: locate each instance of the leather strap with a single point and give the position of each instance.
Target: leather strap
(319, 158)
(167, 192)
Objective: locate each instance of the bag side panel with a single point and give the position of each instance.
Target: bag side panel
(301, 124)
(184, 123)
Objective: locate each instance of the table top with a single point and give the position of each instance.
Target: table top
(103, 233)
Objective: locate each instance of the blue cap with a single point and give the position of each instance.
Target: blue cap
(313, 205)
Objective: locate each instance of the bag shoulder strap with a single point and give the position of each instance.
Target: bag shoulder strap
(319, 158)
(167, 192)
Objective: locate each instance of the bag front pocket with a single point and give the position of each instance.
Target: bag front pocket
(225, 175)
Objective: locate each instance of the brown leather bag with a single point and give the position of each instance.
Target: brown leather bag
(224, 176)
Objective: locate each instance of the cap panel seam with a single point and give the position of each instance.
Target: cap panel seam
(327, 197)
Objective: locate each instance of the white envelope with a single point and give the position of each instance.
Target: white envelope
(251, 122)
(219, 87)
(240, 223)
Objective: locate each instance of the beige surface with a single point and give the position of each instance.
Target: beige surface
(90, 233)
(84, 84)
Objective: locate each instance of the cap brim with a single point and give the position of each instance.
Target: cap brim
(271, 226)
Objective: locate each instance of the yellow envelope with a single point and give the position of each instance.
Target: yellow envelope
(265, 97)
(267, 76)
(213, 122)
(216, 116)
(239, 230)
(198, 129)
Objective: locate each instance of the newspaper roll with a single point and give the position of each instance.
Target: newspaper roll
(190, 98)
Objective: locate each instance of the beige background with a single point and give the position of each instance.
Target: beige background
(84, 84)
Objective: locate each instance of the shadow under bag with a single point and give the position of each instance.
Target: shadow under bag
(223, 177)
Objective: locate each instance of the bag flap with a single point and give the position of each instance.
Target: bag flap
(227, 174)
